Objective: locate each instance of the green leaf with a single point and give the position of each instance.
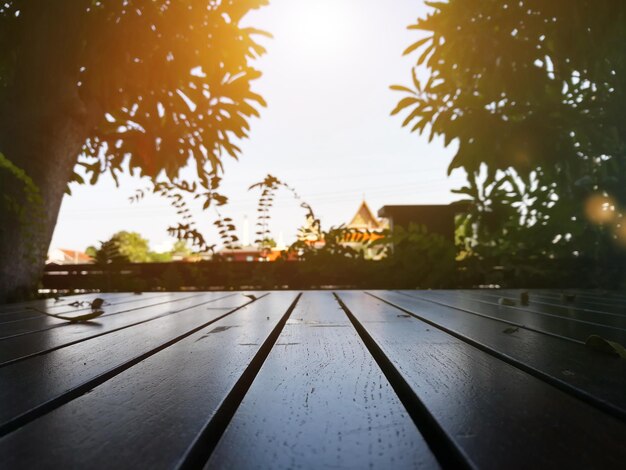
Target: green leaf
(405, 102)
(401, 88)
(417, 45)
(600, 344)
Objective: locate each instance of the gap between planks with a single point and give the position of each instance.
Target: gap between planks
(46, 407)
(563, 386)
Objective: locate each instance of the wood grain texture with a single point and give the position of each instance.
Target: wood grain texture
(564, 310)
(64, 307)
(149, 415)
(321, 401)
(552, 324)
(40, 322)
(498, 416)
(602, 305)
(612, 295)
(17, 307)
(48, 380)
(25, 346)
(595, 377)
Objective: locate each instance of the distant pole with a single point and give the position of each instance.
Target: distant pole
(245, 236)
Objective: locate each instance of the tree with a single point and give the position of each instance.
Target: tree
(533, 94)
(124, 247)
(180, 249)
(127, 85)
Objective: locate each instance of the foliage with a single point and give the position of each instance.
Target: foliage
(122, 247)
(12, 176)
(33, 197)
(269, 186)
(180, 248)
(168, 81)
(532, 93)
(131, 247)
(416, 258)
(412, 256)
(186, 229)
(268, 243)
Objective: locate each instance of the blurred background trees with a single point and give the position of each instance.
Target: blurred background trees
(131, 247)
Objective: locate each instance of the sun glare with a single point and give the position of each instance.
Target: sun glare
(320, 27)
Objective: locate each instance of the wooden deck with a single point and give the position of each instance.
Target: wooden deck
(347, 379)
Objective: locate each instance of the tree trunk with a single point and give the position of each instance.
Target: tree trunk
(27, 226)
(43, 125)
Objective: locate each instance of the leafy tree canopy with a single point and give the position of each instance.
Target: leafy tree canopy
(533, 94)
(169, 80)
(131, 247)
(148, 86)
(123, 247)
(522, 84)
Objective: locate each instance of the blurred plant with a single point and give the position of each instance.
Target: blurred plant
(186, 229)
(411, 257)
(269, 186)
(131, 247)
(416, 258)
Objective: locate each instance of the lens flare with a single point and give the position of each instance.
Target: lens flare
(600, 209)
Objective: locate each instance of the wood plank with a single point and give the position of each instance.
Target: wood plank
(64, 308)
(591, 376)
(46, 381)
(549, 324)
(321, 401)
(22, 347)
(63, 300)
(580, 302)
(618, 296)
(538, 304)
(40, 322)
(147, 416)
(497, 415)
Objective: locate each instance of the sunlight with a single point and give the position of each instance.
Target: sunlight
(319, 27)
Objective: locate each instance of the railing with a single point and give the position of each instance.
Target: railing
(198, 276)
(350, 274)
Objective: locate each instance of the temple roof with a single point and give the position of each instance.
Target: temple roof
(364, 219)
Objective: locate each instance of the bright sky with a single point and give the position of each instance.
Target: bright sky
(327, 131)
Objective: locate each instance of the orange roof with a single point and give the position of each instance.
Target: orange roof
(77, 256)
(365, 219)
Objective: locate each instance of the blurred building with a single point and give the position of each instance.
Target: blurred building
(65, 256)
(438, 219)
(365, 228)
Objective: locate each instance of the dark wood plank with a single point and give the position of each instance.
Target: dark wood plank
(551, 324)
(45, 303)
(617, 296)
(538, 304)
(497, 415)
(64, 308)
(590, 304)
(149, 415)
(321, 401)
(592, 376)
(22, 347)
(40, 322)
(48, 380)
